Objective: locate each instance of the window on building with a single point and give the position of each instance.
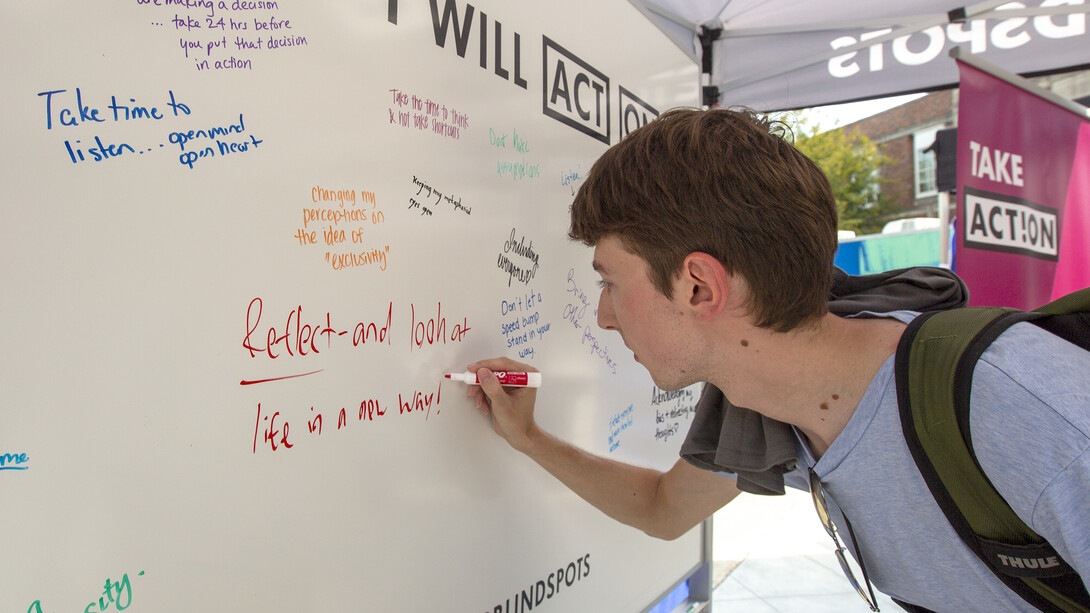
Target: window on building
(925, 162)
(874, 189)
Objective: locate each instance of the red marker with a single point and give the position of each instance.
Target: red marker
(510, 379)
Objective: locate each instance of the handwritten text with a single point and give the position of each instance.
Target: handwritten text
(221, 35)
(574, 312)
(522, 326)
(273, 430)
(14, 461)
(424, 114)
(115, 593)
(344, 214)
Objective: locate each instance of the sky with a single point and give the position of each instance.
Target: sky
(834, 115)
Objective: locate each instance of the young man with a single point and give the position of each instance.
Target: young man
(714, 238)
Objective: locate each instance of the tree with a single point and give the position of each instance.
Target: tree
(853, 163)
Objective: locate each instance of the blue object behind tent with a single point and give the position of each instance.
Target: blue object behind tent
(881, 252)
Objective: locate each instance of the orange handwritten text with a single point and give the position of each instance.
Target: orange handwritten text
(342, 221)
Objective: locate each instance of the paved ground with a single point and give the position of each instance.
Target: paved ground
(773, 556)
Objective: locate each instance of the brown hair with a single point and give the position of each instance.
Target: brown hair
(726, 183)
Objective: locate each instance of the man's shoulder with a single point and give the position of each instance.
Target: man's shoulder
(1026, 348)
(1030, 416)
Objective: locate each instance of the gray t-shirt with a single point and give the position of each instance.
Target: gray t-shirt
(1030, 423)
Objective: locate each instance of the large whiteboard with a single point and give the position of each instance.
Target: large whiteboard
(243, 239)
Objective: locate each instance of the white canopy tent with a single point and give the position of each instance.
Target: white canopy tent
(787, 54)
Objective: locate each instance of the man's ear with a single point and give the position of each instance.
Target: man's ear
(706, 284)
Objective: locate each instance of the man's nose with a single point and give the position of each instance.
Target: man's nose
(607, 320)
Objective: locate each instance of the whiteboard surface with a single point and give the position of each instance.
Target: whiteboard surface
(244, 240)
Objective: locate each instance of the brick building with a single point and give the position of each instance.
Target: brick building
(905, 132)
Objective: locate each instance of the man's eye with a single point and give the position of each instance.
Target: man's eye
(603, 284)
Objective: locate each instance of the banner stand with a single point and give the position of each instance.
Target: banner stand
(1023, 188)
(965, 57)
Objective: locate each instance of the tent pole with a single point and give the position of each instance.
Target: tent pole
(709, 92)
(944, 229)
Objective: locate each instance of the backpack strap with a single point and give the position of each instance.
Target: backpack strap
(934, 368)
(1068, 317)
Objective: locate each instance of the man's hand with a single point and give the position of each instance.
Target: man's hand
(512, 409)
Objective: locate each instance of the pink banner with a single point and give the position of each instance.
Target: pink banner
(1023, 194)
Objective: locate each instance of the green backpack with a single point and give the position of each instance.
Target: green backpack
(933, 386)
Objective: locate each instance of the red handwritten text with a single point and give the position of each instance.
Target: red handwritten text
(272, 428)
(298, 338)
(434, 330)
(419, 402)
(273, 434)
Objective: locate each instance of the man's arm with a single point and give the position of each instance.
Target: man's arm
(662, 504)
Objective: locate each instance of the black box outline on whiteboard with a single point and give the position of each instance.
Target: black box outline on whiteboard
(546, 44)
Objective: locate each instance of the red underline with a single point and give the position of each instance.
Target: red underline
(245, 382)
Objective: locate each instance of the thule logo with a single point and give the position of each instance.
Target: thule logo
(1029, 563)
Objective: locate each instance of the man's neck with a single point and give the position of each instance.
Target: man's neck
(812, 378)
